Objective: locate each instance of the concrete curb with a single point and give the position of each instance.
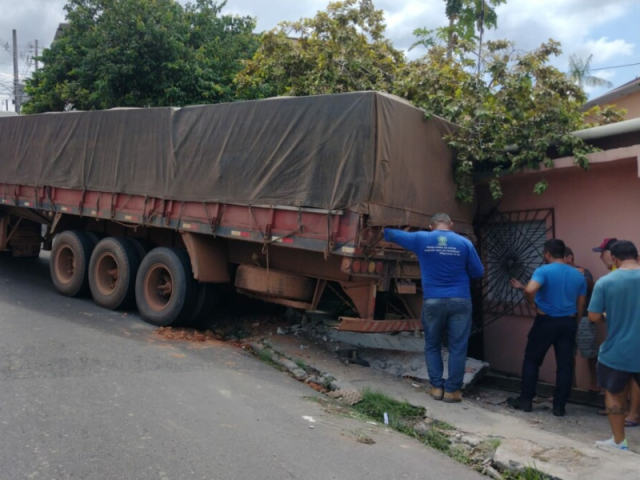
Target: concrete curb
(522, 446)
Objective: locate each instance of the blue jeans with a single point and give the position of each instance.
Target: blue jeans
(452, 315)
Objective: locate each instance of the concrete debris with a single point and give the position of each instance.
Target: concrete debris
(470, 440)
(295, 370)
(383, 341)
(412, 365)
(348, 396)
(421, 428)
(492, 472)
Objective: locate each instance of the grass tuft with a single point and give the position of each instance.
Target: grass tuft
(528, 473)
(438, 441)
(402, 415)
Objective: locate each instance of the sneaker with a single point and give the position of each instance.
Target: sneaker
(518, 403)
(437, 393)
(452, 397)
(611, 443)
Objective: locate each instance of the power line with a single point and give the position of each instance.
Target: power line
(617, 66)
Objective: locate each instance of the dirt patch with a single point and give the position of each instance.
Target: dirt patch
(318, 388)
(187, 335)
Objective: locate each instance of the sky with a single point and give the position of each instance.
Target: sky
(606, 29)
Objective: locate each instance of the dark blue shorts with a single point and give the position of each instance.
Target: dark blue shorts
(615, 381)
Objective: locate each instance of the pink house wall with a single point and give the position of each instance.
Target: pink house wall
(589, 206)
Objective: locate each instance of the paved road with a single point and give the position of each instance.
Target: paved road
(91, 394)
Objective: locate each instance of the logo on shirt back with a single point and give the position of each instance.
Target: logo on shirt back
(442, 241)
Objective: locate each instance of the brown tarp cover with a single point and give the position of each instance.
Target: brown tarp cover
(370, 152)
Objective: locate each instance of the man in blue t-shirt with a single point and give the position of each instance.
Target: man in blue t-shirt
(557, 292)
(618, 294)
(447, 262)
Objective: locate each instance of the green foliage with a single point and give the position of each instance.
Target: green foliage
(527, 474)
(137, 53)
(438, 441)
(510, 108)
(342, 49)
(467, 18)
(604, 115)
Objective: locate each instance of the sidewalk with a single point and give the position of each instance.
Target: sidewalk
(560, 447)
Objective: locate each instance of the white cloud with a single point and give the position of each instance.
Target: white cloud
(604, 49)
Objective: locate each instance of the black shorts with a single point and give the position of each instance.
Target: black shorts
(615, 381)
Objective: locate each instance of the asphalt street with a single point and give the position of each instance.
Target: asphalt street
(87, 393)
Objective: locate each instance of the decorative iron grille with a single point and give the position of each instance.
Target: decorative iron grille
(511, 246)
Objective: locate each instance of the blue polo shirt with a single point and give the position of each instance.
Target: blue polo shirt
(447, 261)
(618, 294)
(561, 285)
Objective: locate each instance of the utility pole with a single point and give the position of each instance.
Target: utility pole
(16, 74)
(36, 56)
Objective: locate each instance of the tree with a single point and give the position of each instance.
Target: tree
(138, 53)
(467, 19)
(510, 116)
(580, 73)
(342, 49)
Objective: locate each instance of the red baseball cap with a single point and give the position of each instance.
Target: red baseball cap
(605, 245)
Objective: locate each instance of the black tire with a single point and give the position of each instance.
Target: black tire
(166, 291)
(142, 246)
(95, 237)
(207, 302)
(69, 264)
(113, 269)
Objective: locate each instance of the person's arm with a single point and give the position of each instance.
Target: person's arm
(404, 239)
(590, 283)
(582, 303)
(597, 305)
(475, 269)
(596, 317)
(530, 290)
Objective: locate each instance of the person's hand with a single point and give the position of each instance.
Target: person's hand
(516, 284)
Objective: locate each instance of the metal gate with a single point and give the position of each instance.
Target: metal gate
(510, 245)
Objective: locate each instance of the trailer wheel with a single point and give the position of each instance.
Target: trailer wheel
(95, 237)
(142, 246)
(112, 273)
(165, 288)
(69, 264)
(206, 303)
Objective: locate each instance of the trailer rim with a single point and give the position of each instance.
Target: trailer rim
(107, 273)
(65, 265)
(158, 287)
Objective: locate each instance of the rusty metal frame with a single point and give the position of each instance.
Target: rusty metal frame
(276, 284)
(209, 259)
(378, 326)
(363, 296)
